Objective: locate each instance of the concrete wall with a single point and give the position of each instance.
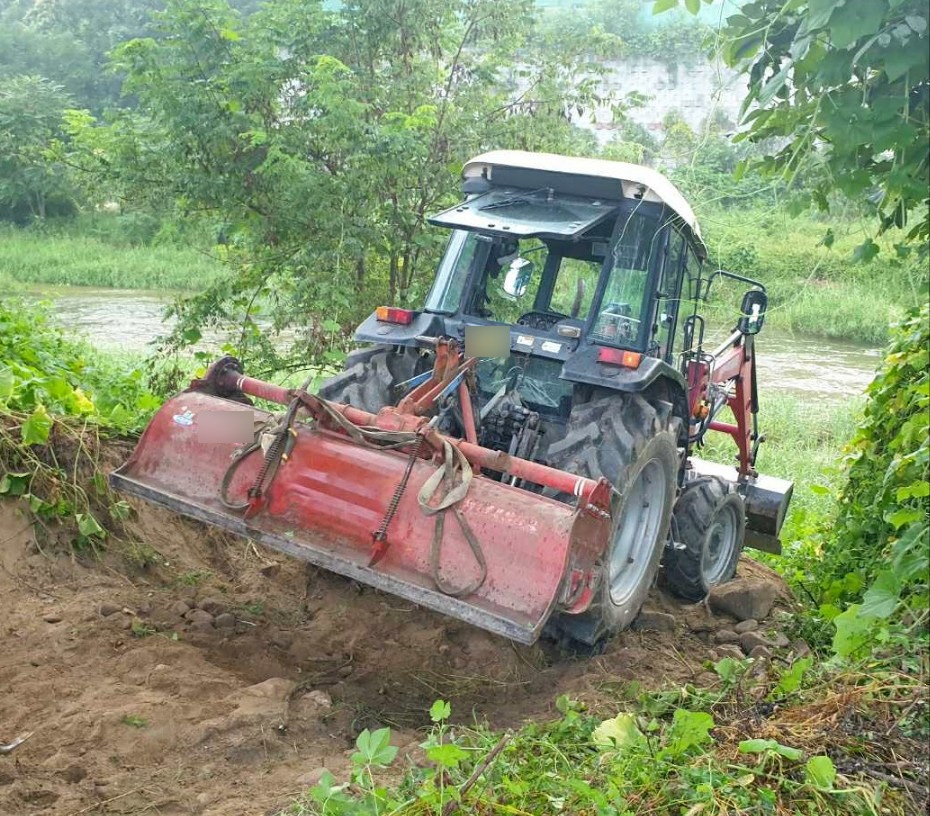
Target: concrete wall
(696, 91)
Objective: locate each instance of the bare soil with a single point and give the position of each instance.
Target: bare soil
(138, 705)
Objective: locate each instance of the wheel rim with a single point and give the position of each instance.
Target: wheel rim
(635, 538)
(722, 537)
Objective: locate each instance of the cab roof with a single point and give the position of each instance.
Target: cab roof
(572, 175)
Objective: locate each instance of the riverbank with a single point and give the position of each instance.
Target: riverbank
(814, 289)
(62, 259)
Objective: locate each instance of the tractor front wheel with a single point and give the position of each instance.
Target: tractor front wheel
(708, 528)
(633, 443)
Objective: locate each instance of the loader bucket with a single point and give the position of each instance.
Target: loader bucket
(331, 493)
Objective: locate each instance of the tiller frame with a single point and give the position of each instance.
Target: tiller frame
(517, 556)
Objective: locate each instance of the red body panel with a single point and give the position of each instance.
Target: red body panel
(332, 493)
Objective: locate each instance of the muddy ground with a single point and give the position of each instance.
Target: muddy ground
(203, 676)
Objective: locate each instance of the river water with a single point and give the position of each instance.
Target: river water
(129, 320)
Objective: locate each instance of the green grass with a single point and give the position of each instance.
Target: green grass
(28, 257)
(814, 289)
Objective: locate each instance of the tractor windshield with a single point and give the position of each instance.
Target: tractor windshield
(524, 281)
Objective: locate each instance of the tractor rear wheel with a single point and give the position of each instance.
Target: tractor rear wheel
(633, 443)
(708, 527)
(370, 377)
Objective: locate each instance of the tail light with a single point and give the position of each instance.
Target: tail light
(391, 314)
(619, 357)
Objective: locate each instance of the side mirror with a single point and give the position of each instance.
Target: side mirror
(517, 278)
(752, 310)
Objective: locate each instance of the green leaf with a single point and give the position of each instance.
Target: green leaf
(619, 732)
(915, 490)
(769, 746)
(439, 711)
(689, 728)
(374, 748)
(6, 384)
(448, 755)
(694, 6)
(14, 484)
(902, 516)
(663, 5)
(37, 427)
(820, 772)
(790, 680)
(852, 631)
(867, 250)
(854, 19)
(882, 597)
(229, 34)
(88, 526)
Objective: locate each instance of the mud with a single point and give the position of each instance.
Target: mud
(137, 704)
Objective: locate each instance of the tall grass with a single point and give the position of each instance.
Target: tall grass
(804, 438)
(28, 257)
(813, 288)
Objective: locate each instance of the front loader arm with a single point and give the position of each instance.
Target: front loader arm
(727, 376)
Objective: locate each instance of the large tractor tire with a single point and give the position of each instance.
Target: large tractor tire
(370, 377)
(708, 528)
(633, 443)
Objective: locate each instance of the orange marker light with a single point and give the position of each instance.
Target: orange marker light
(391, 314)
(619, 357)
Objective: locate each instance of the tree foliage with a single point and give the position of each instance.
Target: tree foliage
(31, 109)
(316, 142)
(848, 80)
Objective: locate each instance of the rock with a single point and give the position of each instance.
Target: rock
(319, 698)
(200, 619)
(180, 608)
(125, 622)
(780, 641)
(726, 636)
(51, 617)
(705, 680)
(106, 609)
(311, 778)
(749, 640)
(270, 570)
(282, 640)
(73, 774)
(225, 620)
(729, 650)
(760, 652)
(188, 593)
(698, 620)
(744, 598)
(746, 626)
(652, 621)
(212, 605)
(800, 648)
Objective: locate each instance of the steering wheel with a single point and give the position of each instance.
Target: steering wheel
(542, 321)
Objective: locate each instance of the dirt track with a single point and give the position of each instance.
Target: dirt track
(143, 711)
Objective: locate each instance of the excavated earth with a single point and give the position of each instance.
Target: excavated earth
(186, 672)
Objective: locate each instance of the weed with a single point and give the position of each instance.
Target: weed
(140, 629)
(135, 721)
(194, 578)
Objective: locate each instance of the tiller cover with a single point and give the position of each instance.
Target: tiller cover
(500, 557)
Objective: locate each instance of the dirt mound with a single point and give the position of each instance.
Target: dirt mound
(193, 674)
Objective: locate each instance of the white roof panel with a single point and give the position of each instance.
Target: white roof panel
(635, 180)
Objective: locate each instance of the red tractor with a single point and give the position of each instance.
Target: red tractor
(518, 452)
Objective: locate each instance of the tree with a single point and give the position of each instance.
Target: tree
(31, 109)
(315, 143)
(848, 80)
